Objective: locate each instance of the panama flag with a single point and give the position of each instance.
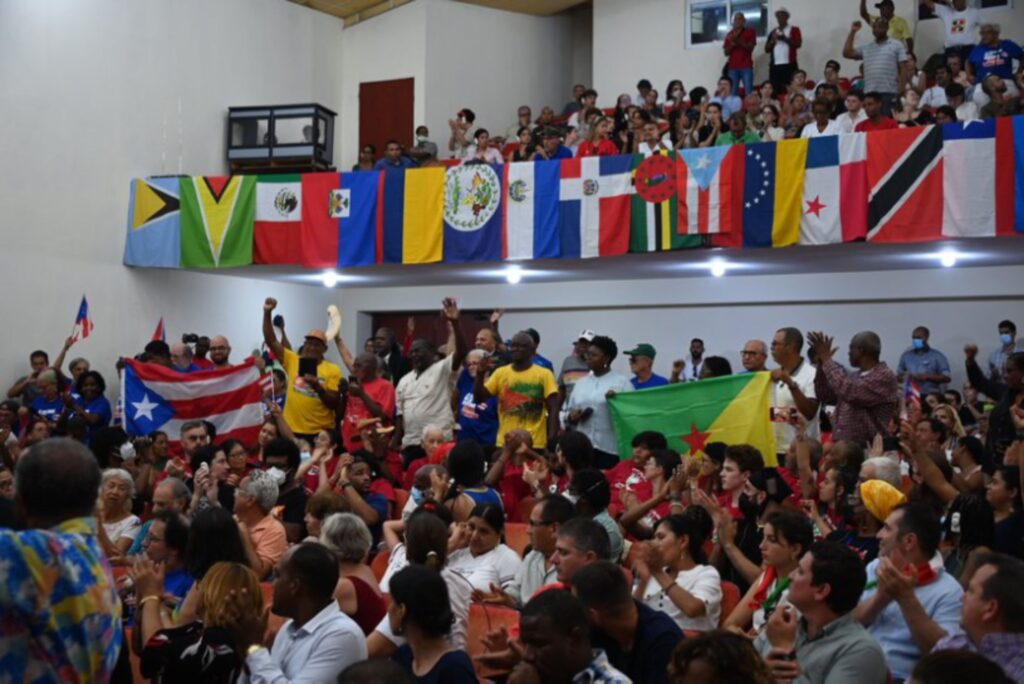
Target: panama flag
(595, 196)
(158, 398)
(531, 210)
(83, 324)
(710, 181)
(835, 190)
(978, 178)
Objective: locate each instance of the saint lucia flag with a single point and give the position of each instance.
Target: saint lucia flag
(413, 224)
(472, 213)
(733, 409)
(531, 210)
(154, 223)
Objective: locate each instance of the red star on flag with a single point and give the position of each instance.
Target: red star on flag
(815, 206)
(696, 439)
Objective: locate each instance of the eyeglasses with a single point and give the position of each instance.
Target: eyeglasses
(538, 523)
(747, 352)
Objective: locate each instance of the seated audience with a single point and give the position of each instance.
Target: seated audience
(478, 553)
(718, 656)
(263, 535)
(358, 592)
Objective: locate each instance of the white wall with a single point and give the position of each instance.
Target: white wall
(958, 305)
(389, 46)
(492, 61)
(582, 21)
(661, 27)
(95, 93)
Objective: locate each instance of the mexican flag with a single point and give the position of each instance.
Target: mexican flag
(734, 409)
(276, 233)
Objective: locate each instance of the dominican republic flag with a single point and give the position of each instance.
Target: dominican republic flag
(905, 185)
(595, 196)
(835, 190)
(160, 334)
(83, 324)
(978, 177)
(158, 398)
(710, 181)
(531, 227)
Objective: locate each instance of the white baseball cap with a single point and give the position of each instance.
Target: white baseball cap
(587, 335)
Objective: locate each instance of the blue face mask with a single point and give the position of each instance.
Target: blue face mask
(418, 495)
(918, 343)
(1006, 339)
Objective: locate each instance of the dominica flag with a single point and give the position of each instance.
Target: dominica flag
(734, 409)
(654, 212)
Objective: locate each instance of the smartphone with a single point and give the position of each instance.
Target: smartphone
(307, 366)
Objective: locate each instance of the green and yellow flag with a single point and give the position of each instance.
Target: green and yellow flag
(217, 215)
(734, 409)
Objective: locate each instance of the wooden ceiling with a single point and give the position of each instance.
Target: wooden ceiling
(354, 11)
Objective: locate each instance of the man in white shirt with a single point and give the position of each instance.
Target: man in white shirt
(854, 112)
(961, 25)
(423, 396)
(935, 96)
(794, 388)
(318, 641)
(956, 98)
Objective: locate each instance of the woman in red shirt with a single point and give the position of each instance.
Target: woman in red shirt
(599, 143)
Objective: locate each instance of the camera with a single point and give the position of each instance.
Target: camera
(190, 338)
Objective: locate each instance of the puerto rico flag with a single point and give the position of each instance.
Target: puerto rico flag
(160, 333)
(594, 193)
(155, 397)
(710, 181)
(83, 324)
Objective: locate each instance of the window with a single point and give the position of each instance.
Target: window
(710, 20)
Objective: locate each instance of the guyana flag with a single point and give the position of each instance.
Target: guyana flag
(655, 206)
(217, 215)
(734, 409)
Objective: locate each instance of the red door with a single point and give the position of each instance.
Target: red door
(385, 113)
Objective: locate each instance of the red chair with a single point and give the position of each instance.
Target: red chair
(276, 622)
(526, 505)
(483, 619)
(516, 537)
(401, 497)
(380, 564)
(730, 599)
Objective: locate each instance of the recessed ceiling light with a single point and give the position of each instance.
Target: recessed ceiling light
(329, 278)
(948, 258)
(717, 267)
(513, 274)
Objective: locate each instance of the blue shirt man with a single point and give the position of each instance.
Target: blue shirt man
(993, 56)
(641, 360)
(477, 421)
(393, 159)
(926, 366)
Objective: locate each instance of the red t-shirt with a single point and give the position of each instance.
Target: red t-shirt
(742, 58)
(513, 489)
(884, 124)
(624, 474)
(380, 391)
(204, 364)
(604, 148)
(725, 501)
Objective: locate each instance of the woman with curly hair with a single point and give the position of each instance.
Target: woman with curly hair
(718, 656)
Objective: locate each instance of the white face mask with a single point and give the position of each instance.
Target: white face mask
(304, 456)
(277, 475)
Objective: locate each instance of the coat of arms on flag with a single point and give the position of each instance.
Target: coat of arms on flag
(339, 203)
(472, 195)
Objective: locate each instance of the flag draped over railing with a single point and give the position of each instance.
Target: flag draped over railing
(905, 185)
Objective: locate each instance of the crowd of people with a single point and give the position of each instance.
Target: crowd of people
(975, 77)
(382, 502)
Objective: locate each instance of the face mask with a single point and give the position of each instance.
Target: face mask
(277, 475)
(304, 456)
(918, 343)
(1006, 339)
(418, 495)
(420, 139)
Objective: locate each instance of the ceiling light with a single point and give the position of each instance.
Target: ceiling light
(717, 267)
(330, 278)
(948, 258)
(513, 274)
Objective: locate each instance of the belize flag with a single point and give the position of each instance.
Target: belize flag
(472, 213)
(531, 210)
(155, 397)
(595, 194)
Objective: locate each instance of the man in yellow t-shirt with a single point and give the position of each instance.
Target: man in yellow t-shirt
(527, 394)
(898, 27)
(312, 399)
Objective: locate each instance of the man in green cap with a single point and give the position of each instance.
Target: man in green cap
(641, 361)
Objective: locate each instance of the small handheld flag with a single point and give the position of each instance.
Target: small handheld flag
(160, 334)
(83, 324)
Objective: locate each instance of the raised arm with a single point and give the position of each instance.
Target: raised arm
(864, 12)
(269, 336)
(450, 310)
(991, 388)
(849, 52)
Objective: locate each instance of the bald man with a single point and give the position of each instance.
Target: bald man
(181, 358)
(220, 350)
(753, 356)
